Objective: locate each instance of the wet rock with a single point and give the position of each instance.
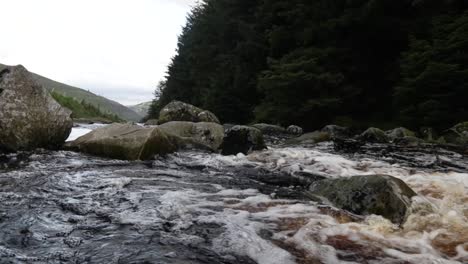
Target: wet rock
(152, 122)
(209, 135)
(295, 130)
(268, 129)
(374, 135)
(29, 117)
(242, 139)
(310, 138)
(458, 134)
(125, 141)
(399, 132)
(371, 194)
(337, 131)
(179, 111)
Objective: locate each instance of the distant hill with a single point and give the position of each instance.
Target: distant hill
(97, 101)
(141, 109)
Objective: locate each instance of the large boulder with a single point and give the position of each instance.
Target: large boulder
(29, 117)
(179, 111)
(268, 129)
(374, 135)
(458, 134)
(126, 142)
(382, 195)
(242, 139)
(202, 134)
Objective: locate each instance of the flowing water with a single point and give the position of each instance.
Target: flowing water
(195, 207)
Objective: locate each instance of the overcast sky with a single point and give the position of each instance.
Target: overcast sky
(116, 48)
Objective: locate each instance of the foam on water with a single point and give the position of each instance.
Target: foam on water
(170, 197)
(436, 231)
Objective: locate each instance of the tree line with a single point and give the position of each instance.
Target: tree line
(316, 62)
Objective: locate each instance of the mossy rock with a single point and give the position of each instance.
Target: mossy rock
(381, 195)
(310, 138)
(458, 134)
(400, 132)
(268, 129)
(374, 135)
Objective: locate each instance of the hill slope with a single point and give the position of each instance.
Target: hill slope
(141, 109)
(97, 101)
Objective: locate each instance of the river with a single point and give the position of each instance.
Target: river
(196, 207)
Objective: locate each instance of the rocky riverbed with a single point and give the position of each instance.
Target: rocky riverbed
(197, 207)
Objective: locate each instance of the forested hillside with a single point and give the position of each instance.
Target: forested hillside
(317, 62)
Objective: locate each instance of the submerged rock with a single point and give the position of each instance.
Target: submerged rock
(268, 129)
(126, 142)
(242, 139)
(374, 135)
(29, 117)
(179, 111)
(205, 134)
(382, 195)
(295, 130)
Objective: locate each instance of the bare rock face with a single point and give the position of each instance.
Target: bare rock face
(125, 142)
(179, 111)
(29, 117)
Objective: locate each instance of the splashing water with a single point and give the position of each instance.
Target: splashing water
(193, 207)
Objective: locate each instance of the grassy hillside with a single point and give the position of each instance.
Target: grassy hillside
(84, 110)
(141, 109)
(99, 102)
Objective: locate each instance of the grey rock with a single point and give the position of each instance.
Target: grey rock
(179, 111)
(125, 142)
(205, 134)
(295, 130)
(29, 117)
